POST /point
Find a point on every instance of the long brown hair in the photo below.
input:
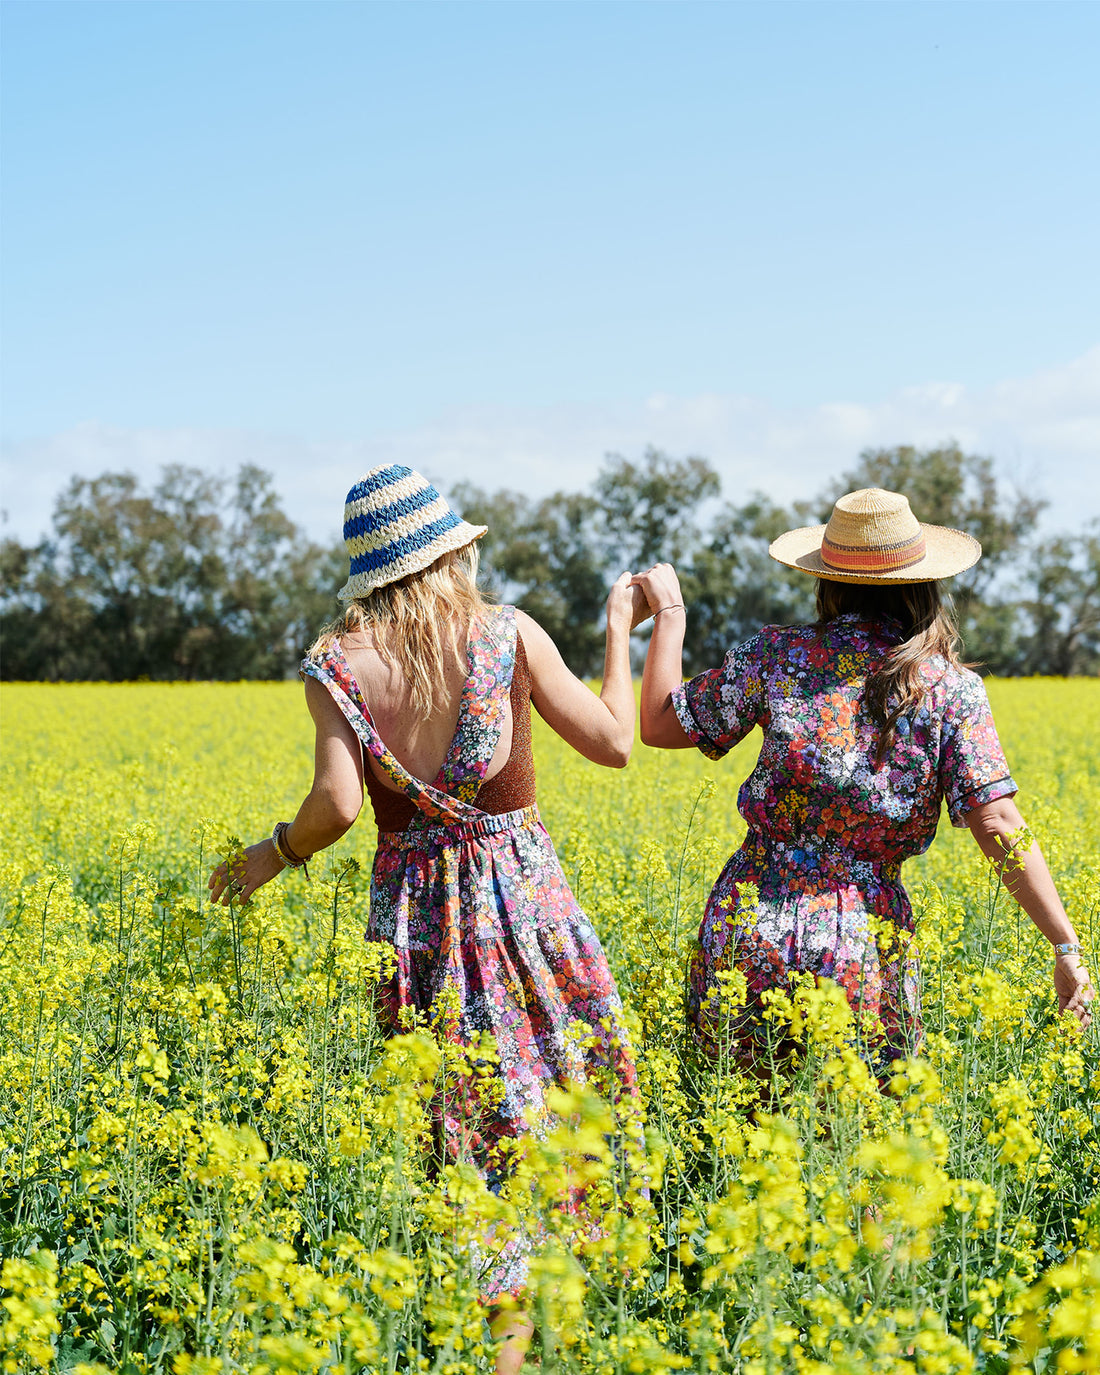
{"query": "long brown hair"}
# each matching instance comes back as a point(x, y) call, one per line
point(897, 686)
point(418, 623)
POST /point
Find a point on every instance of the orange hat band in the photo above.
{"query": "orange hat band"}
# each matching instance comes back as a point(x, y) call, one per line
point(887, 558)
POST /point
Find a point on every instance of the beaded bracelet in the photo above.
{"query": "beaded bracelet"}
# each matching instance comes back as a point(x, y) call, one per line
point(283, 850)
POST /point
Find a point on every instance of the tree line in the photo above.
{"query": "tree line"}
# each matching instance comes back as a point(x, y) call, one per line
point(208, 577)
point(200, 577)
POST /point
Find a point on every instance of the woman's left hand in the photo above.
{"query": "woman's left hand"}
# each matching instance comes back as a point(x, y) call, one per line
point(1073, 987)
point(260, 864)
point(626, 602)
point(661, 587)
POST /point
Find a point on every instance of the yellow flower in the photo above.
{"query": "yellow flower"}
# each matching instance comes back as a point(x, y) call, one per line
point(30, 1318)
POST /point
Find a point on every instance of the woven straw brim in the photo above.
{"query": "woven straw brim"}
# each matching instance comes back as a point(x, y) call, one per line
point(363, 584)
point(947, 552)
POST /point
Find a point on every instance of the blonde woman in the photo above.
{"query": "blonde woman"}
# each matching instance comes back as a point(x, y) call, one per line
point(869, 723)
point(421, 693)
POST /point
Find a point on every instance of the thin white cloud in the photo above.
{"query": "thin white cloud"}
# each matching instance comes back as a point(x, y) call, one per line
point(1043, 429)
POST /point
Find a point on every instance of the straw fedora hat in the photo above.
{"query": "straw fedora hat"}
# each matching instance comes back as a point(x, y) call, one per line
point(873, 536)
point(396, 523)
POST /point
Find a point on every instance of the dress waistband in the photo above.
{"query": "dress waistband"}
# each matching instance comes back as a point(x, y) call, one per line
point(456, 832)
point(831, 864)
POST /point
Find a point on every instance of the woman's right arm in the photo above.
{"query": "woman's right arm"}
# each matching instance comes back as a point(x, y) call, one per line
point(997, 827)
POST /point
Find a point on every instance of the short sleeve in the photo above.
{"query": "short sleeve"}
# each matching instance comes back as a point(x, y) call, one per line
point(973, 768)
point(719, 707)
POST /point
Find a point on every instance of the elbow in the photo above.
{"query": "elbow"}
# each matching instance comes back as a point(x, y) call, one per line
point(660, 726)
point(338, 812)
point(345, 819)
point(345, 812)
point(653, 733)
point(612, 751)
point(620, 755)
point(993, 823)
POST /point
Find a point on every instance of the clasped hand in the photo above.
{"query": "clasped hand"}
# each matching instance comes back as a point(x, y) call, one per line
point(626, 602)
point(660, 586)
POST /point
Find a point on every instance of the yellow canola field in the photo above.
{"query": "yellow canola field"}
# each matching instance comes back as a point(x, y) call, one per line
point(211, 1162)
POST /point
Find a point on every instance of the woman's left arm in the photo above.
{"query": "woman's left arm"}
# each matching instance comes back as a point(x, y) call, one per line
point(997, 827)
point(664, 658)
point(327, 813)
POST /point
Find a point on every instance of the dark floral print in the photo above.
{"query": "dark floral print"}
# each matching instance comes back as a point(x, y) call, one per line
point(827, 829)
point(487, 935)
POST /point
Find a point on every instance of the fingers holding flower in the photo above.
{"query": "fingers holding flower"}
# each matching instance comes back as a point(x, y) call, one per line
point(237, 878)
point(1073, 988)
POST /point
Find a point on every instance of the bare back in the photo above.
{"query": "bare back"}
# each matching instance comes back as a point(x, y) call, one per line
point(419, 744)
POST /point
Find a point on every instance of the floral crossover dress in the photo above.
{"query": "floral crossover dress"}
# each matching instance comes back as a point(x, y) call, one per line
point(827, 829)
point(486, 930)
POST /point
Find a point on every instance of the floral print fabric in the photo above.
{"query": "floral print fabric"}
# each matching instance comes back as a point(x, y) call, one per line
point(487, 934)
point(827, 829)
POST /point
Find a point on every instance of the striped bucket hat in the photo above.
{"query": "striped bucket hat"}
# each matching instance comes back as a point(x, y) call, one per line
point(396, 523)
point(873, 536)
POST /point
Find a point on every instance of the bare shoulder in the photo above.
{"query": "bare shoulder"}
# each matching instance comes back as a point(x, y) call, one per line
point(537, 643)
point(528, 627)
point(319, 701)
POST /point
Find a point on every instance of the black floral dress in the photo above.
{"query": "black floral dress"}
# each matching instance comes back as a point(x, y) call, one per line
point(827, 829)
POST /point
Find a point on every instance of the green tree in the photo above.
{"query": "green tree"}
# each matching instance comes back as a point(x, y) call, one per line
point(545, 556)
point(186, 581)
point(650, 510)
point(279, 586)
point(1061, 616)
point(948, 487)
point(733, 586)
point(203, 577)
point(556, 557)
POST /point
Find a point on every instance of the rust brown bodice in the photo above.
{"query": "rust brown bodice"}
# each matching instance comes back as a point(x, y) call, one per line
point(509, 790)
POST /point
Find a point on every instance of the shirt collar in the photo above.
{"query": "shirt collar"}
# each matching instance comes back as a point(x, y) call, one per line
point(888, 627)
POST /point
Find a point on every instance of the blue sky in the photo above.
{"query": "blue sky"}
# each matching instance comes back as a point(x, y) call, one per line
point(499, 240)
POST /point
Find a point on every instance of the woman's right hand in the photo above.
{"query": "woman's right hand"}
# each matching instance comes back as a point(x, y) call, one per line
point(661, 587)
point(1073, 987)
point(1004, 839)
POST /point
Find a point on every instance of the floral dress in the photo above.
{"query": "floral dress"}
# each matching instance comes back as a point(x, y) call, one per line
point(827, 829)
point(487, 934)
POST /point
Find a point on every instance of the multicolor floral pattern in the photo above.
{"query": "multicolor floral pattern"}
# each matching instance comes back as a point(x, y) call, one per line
point(487, 934)
point(827, 829)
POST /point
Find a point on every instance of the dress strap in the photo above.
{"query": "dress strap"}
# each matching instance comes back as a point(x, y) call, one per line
point(334, 672)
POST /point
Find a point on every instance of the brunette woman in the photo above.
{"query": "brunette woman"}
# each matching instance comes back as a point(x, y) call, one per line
point(869, 723)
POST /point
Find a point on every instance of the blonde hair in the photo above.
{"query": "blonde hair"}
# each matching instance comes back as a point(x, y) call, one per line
point(898, 685)
point(417, 623)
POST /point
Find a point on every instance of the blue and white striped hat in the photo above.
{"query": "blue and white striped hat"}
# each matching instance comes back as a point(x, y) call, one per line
point(396, 523)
